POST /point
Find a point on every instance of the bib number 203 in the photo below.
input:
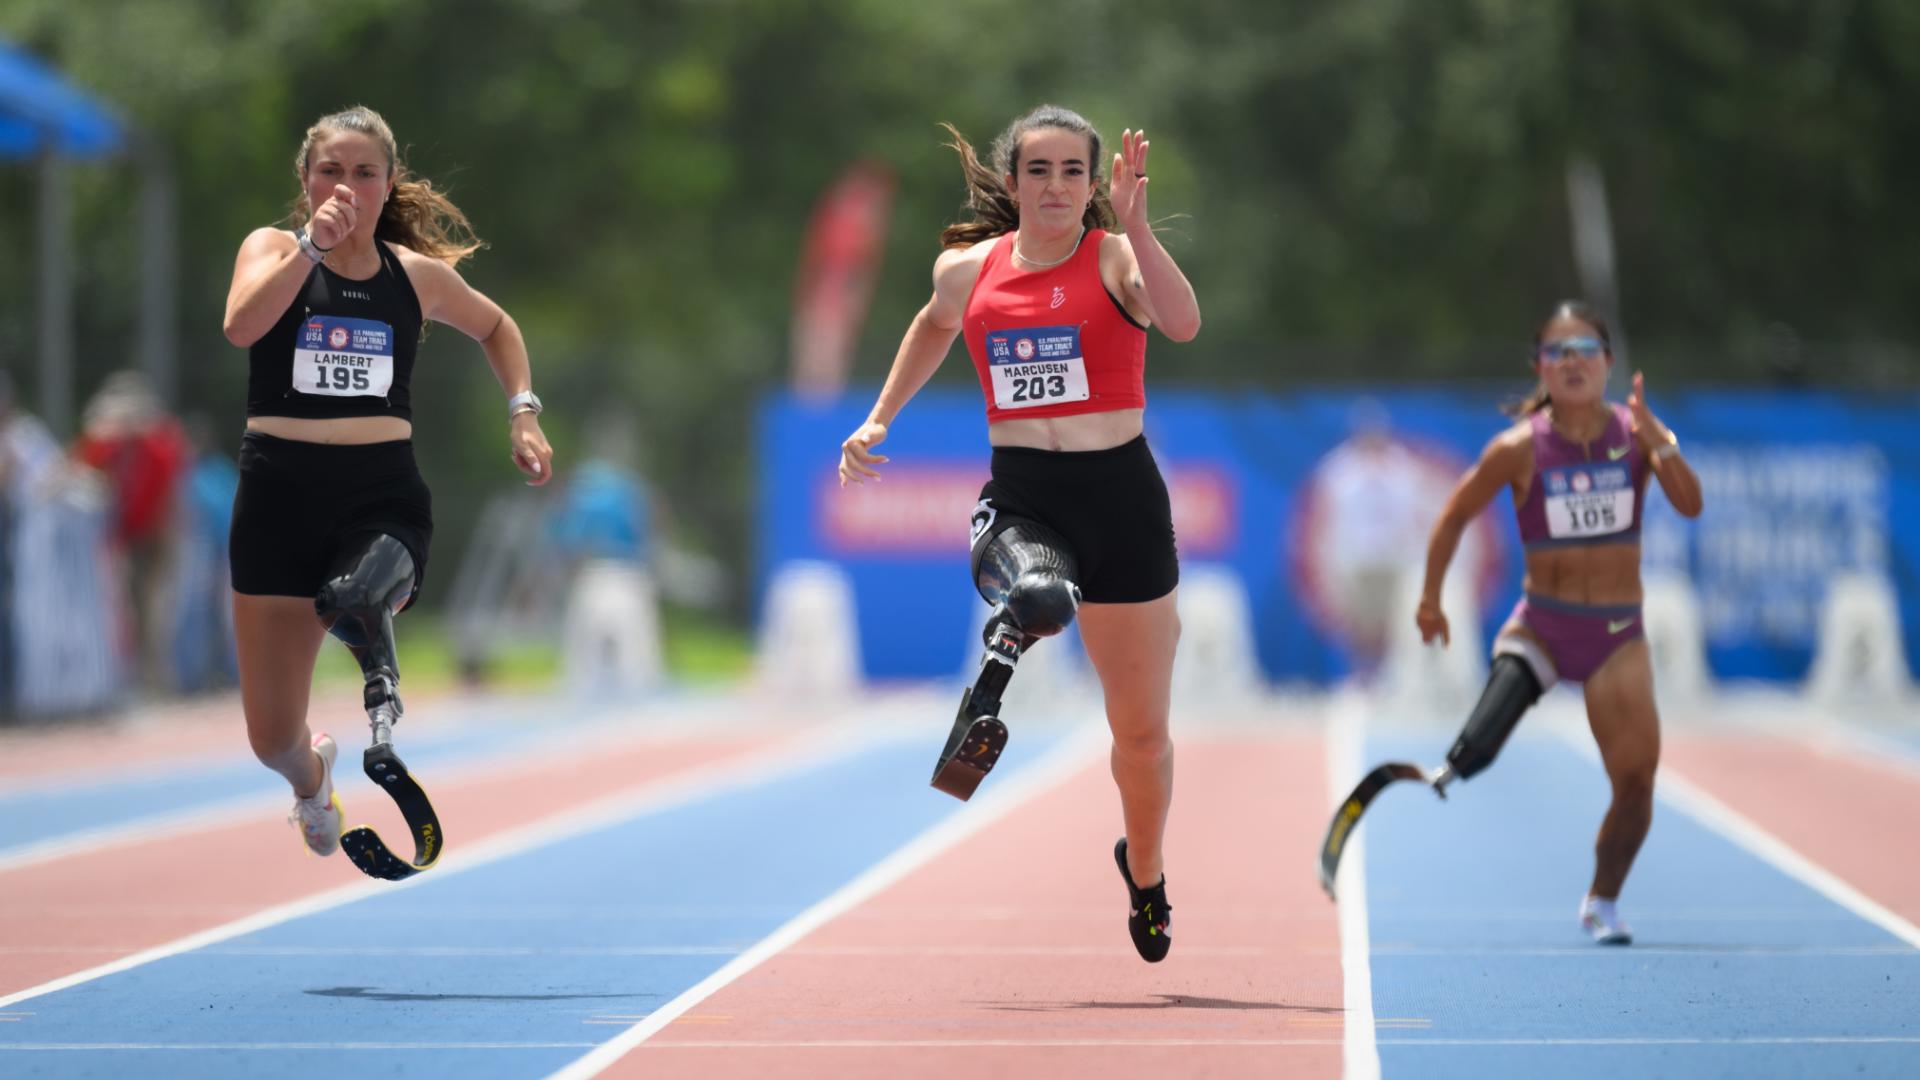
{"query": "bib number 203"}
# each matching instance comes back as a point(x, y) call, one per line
point(337, 378)
point(1039, 388)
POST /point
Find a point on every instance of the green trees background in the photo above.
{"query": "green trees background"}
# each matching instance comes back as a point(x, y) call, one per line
point(1359, 190)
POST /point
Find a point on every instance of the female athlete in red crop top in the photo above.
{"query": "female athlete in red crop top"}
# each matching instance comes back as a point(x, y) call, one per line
point(1053, 285)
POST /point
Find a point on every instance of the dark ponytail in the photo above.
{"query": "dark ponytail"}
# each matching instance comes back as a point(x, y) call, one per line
point(991, 205)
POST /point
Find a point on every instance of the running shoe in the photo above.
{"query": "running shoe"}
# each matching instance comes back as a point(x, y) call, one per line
point(1599, 919)
point(318, 818)
point(1148, 912)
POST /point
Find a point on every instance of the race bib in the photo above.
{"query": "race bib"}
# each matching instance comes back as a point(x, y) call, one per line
point(1039, 365)
point(342, 357)
point(1588, 500)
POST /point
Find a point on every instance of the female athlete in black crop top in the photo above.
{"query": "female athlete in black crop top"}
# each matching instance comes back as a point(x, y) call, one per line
point(332, 518)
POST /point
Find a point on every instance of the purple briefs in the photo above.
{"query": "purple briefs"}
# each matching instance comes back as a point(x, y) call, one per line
point(1578, 637)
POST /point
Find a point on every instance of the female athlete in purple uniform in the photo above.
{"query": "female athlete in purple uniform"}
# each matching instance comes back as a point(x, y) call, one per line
point(1578, 467)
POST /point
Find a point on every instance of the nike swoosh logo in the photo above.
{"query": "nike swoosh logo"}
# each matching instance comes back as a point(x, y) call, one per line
point(1616, 627)
point(1615, 453)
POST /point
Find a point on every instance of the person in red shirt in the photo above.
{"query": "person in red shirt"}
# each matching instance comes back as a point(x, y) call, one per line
point(1053, 284)
point(142, 451)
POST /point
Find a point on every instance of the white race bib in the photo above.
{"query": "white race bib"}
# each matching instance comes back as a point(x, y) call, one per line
point(1588, 500)
point(1039, 365)
point(342, 357)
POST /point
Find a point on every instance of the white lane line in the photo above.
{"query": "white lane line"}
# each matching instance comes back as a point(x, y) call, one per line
point(1693, 800)
point(516, 755)
point(1073, 754)
point(141, 830)
point(1716, 815)
point(796, 755)
point(1346, 745)
point(968, 1044)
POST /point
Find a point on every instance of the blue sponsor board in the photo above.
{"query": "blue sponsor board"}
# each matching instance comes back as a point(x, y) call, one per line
point(1301, 493)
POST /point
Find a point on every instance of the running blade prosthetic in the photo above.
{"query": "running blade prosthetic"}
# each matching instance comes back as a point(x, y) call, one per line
point(973, 746)
point(390, 775)
point(1348, 815)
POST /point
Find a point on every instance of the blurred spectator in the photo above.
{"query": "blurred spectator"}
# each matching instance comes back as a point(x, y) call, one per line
point(142, 451)
point(602, 510)
point(56, 611)
point(1377, 499)
point(27, 453)
point(199, 614)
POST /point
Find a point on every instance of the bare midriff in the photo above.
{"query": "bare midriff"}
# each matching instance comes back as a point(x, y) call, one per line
point(337, 431)
point(1599, 574)
point(1081, 432)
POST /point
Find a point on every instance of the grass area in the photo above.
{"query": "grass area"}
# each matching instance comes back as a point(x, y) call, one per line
point(698, 649)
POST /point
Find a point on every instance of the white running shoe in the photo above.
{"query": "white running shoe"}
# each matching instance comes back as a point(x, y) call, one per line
point(319, 818)
point(1599, 919)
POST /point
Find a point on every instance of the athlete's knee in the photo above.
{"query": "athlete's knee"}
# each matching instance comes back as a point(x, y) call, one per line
point(1633, 783)
point(1142, 744)
point(1511, 690)
point(1028, 570)
point(276, 750)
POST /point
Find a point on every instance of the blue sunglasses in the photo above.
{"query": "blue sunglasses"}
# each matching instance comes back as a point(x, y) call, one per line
point(1586, 348)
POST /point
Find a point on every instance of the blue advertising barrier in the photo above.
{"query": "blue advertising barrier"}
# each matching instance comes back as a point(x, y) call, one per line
point(1292, 493)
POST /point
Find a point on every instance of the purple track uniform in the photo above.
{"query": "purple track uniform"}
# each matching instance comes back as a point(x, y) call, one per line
point(1581, 495)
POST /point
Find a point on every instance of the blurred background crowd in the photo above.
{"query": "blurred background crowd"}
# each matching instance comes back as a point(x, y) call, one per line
point(713, 220)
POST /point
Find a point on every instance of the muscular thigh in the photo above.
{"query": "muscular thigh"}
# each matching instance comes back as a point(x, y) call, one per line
point(277, 639)
point(1621, 710)
point(1131, 647)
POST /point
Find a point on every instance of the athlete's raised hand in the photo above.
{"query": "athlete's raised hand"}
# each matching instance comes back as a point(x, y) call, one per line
point(1647, 428)
point(334, 219)
point(1128, 188)
point(857, 459)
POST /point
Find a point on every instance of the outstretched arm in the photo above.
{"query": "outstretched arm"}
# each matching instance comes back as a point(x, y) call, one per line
point(925, 345)
point(445, 297)
point(1508, 457)
point(1154, 281)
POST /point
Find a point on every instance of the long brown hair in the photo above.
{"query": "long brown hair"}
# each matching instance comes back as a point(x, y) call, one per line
point(990, 201)
point(415, 215)
point(1566, 309)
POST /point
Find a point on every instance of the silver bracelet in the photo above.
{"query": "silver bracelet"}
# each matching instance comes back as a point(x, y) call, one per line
point(524, 401)
point(307, 247)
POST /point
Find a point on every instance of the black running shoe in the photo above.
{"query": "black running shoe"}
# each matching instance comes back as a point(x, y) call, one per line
point(1148, 913)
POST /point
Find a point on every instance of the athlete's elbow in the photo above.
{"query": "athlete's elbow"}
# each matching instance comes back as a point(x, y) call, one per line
point(1183, 330)
point(238, 333)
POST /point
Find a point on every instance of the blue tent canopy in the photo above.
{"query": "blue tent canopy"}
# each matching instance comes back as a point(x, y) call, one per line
point(37, 106)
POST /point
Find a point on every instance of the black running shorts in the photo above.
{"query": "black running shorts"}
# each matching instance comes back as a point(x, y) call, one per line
point(303, 509)
point(1110, 505)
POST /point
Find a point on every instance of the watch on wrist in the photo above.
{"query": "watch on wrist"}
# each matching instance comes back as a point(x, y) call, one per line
point(524, 401)
point(1667, 449)
point(308, 247)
